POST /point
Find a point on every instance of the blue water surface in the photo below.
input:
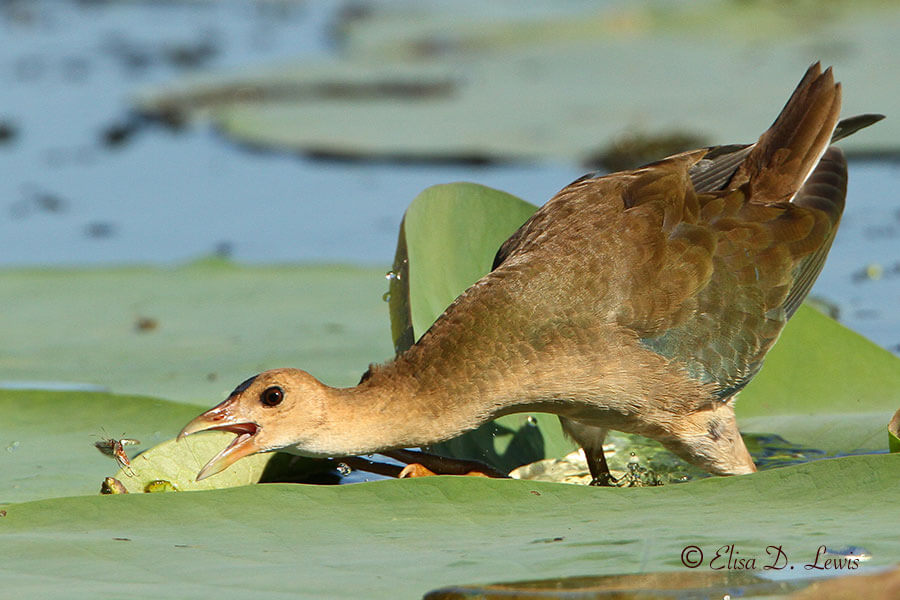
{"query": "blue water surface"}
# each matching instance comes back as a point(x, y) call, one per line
point(71, 196)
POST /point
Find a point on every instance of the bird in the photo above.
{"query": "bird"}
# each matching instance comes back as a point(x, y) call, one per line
point(641, 301)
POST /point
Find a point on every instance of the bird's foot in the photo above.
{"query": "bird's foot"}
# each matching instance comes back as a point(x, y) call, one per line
point(415, 470)
point(419, 470)
point(604, 480)
point(422, 464)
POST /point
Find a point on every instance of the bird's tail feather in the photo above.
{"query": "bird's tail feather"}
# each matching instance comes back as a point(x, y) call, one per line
point(786, 154)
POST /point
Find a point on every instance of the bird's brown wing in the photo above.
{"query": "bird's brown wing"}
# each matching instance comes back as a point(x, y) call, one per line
point(762, 260)
point(704, 276)
point(706, 280)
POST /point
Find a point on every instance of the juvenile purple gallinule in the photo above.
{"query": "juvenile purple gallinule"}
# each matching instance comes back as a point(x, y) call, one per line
point(641, 301)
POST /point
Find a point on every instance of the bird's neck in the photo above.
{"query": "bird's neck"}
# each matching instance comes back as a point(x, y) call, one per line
point(433, 392)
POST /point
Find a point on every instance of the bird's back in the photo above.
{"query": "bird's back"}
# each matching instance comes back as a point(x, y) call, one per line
point(703, 259)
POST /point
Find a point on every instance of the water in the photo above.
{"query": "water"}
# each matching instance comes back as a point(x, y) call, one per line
point(81, 185)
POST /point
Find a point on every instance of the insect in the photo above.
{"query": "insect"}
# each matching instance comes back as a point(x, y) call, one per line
point(116, 448)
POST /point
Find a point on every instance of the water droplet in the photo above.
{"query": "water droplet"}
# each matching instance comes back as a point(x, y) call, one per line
point(634, 465)
point(386, 297)
point(12, 447)
point(344, 469)
point(532, 421)
point(392, 276)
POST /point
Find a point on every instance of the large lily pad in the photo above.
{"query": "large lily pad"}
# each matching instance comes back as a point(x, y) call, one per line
point(823, 386)
point(443, 81)
point(47, 444)
point(190, 333)
point(399, 539)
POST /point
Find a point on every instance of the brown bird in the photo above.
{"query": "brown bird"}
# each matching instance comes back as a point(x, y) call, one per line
point(641, 301)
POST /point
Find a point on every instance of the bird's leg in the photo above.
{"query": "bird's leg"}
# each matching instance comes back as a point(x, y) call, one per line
point(590, 438)
point(600, 474)
point(420, 464)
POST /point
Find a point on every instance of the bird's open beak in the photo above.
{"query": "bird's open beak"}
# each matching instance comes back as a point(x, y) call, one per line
point(221, 418)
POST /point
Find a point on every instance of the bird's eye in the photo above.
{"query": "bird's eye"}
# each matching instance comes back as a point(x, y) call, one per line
point(272, 396)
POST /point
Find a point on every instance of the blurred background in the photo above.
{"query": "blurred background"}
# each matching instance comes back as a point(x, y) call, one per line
point(277, 131)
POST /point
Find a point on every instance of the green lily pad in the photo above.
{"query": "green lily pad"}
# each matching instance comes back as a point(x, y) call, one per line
point(372, 540)
point(452, 233)
point(47, 444)
point(894, 433)
point(190, 333)
point(173, 466)
point(456, 83)
point(822, 386)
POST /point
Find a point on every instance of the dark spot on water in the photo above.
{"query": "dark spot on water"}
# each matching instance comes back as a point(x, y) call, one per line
point(118, 134)
point(130, 56)
point(223, 249)
point(121, 539)
point(99, 230)
point(548, 540)
point(48, 202)
point(211, 376)
point(8, 131)
point(192, 55)
point(35, 200)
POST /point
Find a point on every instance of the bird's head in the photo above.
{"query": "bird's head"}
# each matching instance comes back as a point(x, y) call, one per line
point(272, 410)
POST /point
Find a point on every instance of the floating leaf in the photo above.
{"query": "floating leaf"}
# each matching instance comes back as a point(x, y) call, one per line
point(217, 324)
point(451, 233)
point(173, 466)
point(451, 84)
point(894, 433)
point(48, 440)
point(372, 540)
